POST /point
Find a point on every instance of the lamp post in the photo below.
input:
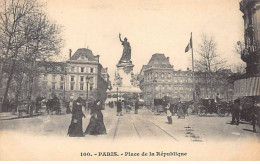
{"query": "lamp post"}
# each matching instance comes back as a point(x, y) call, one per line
point(117, 94)
point(87, 81)
point(64, 83)
point(154, 81)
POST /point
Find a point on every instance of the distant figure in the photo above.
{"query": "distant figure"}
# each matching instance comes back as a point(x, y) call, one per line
point(96, 125)
point(75, 128)
point(235, 112)
point(13, 106)
point(254, 115)
point(181, 113)
point(136, 106)
point(217, 100)
point(55, 105)
point(38, 104)
point(169, 113)
point(69, 106)
point(119, 108)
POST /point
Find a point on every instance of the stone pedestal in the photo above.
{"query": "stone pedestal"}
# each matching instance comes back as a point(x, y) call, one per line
point(124, 70)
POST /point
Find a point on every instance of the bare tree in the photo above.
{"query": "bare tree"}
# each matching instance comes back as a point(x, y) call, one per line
point(208, 62)
point(43, 41)
point(238, 49)
point(12, 13)
point(27, 36)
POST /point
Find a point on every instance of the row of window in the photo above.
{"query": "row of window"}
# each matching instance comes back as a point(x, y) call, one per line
point(72, 78)
point(72, 87)
point(161, 95)
point(164, 75)
point(82, 69)
point(168, 88)
point(174, 79)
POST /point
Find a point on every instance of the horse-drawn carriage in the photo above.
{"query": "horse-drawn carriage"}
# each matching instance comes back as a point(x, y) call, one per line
point(176, 107)
point(209, 106)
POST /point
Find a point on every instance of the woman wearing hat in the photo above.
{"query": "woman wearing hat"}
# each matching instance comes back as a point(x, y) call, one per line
point(96, 125)
point(75, 128)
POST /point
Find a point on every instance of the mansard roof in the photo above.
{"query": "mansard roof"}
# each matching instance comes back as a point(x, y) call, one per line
point(160, 61)
point(86, 52)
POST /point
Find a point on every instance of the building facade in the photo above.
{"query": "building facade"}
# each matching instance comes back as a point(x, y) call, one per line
point(82, 75)
point(158, 79)
point(247, 85)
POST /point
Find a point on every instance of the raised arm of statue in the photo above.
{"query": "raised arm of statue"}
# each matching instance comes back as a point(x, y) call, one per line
point(120, 38)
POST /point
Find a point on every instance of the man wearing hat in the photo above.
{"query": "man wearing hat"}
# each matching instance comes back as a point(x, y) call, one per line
point(235, 112)
point(119, 108)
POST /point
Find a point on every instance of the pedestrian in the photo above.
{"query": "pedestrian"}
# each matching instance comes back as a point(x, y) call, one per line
point(69, 106)
point(13, 106)
point(96, 125)
point(136, 106)
point(235, 112)
point(119, 108)
point(75, 128)
point(254, 115)
point(181, 113)
point(56, 104)
point(30, 107)
point(168, 112)
point(38, 104)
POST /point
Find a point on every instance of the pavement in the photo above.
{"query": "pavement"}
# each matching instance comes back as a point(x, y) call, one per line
point(9, 116)
point(144, 125)
point(44, 137)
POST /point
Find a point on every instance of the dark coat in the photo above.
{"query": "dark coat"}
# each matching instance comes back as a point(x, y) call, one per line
point(119, 106)
point(96, 124)
point(75, 128)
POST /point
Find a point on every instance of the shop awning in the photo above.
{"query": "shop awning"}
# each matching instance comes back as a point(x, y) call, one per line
point(247, 87)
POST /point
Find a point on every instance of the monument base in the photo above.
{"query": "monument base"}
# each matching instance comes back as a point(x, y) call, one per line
point(126, 66)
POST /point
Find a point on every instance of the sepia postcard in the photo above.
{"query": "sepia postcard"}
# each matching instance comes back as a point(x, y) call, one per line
point(132, 80)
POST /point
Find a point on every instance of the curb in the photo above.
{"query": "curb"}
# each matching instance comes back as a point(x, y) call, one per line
point(13, 118)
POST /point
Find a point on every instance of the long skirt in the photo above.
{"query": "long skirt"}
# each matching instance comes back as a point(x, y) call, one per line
point(96, 126)
point(75, 128)
point(181, 113)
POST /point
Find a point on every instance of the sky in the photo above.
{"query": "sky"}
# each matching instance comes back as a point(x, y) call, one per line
point(151, 26)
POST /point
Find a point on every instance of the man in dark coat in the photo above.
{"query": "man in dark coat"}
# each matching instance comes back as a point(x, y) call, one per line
point(119, 108)
point(254, 113)
point(235, 112)
point(136, 106)
point(181, 113)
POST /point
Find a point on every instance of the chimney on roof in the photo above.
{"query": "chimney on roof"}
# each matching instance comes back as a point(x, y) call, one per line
point(167, 58)
point(98, 58)
point(70, 51)
point(188, 68)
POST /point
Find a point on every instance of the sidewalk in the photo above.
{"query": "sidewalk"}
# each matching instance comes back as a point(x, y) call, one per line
point(9, 116)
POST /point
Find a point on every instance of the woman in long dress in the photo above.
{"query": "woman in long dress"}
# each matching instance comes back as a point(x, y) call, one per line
point(96, 125)
point(75, 128)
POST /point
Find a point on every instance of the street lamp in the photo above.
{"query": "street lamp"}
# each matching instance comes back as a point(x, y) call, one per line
point(64, 83)
point(117, 94)
point(87, 81)
point(154, 81)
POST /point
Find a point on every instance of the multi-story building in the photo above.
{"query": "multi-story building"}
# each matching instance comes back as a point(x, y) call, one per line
point(82, 75)
point(158, 79)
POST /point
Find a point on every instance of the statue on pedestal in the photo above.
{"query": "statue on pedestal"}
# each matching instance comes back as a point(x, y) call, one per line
point(126, 56)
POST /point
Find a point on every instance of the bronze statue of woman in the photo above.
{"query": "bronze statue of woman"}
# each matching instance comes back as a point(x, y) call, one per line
point(126, 56)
